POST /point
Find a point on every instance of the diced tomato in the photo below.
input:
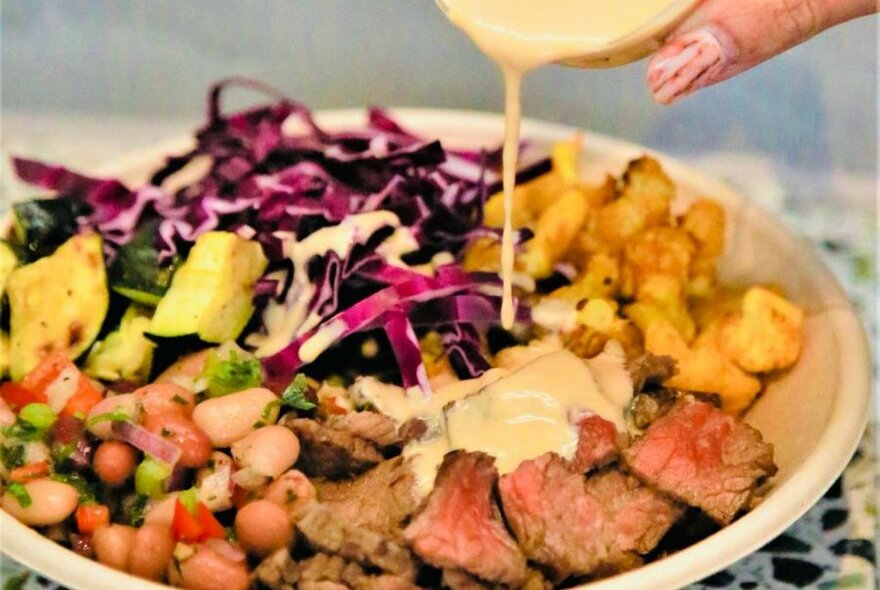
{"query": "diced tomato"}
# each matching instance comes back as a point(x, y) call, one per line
point(41, 379)
point(41, 376)
point(18, 396)
point(211, 527)
point(83, 400)
point(92, 516)
point(185, 527)
point(332, 406)
point(195, 528)
point(30, 471)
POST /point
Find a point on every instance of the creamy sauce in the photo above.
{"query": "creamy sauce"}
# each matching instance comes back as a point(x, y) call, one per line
point(520, 35)
point(512, 416)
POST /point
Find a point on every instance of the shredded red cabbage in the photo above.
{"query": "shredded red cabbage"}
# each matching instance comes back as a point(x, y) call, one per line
point(274, 173)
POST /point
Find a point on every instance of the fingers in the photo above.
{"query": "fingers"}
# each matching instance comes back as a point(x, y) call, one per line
point(723, 38)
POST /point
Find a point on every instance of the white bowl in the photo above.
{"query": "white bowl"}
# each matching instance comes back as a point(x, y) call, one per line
point(814, 415)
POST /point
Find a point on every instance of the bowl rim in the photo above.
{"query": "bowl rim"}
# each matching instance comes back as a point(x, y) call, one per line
point(789, 501)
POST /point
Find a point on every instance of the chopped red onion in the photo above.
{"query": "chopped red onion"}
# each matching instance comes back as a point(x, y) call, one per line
point(144, 440)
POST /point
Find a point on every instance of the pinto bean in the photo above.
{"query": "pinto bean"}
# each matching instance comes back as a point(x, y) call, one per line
point(208, 570)
point(263, 526)
point(113, 545)
point(231, 417)
point(126, 403)
point(154, 547)
point(114, 462)
point(51, 502)
point(184, 434)
point(166, 398)
point(268, 451)
point(292, 491)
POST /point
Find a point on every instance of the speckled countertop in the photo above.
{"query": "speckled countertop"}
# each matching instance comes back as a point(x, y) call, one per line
point(834, 544)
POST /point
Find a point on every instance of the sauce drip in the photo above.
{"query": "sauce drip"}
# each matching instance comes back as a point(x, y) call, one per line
point(521, 35)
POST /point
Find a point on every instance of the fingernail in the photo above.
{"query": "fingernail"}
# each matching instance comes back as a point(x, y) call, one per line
point(685, 64)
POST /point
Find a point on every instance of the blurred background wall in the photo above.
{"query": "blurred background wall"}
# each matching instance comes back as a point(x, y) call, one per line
point(813, 109)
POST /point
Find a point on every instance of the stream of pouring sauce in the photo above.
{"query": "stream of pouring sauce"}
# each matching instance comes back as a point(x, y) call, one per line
point(521, 35)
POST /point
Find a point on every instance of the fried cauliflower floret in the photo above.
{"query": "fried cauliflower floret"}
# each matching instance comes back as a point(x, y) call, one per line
point(555, 231)
point(600, 279)
point(483, 255)
point(674, 311)
point(656, 263)
point(702, 369)
point(643, 202)
point(705, 222)
point(597, 322)
point(766, 335)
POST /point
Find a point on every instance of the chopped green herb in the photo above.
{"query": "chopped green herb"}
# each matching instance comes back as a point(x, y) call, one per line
point(235, 373)
point(114, 416)
point(294, 396)
point(62, 453)
point(179, 400)
point(23, 431)
point(134, 509)
point(165, 432)
point(258, 424)
point(230, 534)
point(20, 493)
point(83, 487)
point(12, 456)
point(40, 415)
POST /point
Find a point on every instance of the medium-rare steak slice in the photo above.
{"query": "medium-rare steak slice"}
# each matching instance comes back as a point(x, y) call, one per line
point(377, 428)
point(555, 520)
point(459, 526)
point(327, 532)
point(325, 452)
point(640, 516)
point(704, 457)
point(599, 443)
point(380, 499)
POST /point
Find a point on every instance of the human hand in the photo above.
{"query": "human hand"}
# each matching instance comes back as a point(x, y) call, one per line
point(723, 38)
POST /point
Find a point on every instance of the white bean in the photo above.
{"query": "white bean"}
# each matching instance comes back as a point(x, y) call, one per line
point(51, 502)
point(126, 403)
point(232, 417)
point(268, 451)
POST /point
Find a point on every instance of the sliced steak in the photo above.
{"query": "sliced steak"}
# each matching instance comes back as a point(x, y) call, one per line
point(555, 520)
point(639, 515)
point(334, 454)
point(599, 443)
point(704, 457)
point(377, 428)
point(459, 526)
point(380, 499)
point(648, 407)
point(650, 371)
point(328, 532)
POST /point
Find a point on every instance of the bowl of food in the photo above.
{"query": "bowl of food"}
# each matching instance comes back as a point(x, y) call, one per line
point(271, 357)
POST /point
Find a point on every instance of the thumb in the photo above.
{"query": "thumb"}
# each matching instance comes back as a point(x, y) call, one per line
point(725, 37)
